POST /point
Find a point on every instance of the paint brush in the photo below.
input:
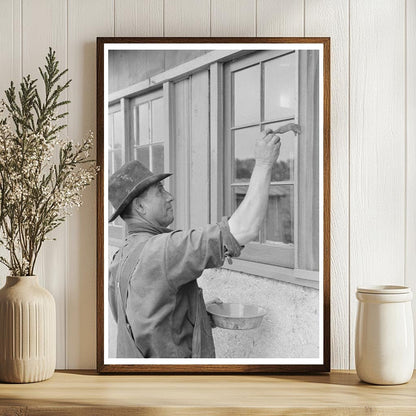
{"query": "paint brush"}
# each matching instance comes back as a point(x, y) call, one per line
point(284, 129)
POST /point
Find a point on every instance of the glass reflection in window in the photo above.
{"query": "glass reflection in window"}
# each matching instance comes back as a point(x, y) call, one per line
point(246, 95)
point(279, 218)
point(279, 87)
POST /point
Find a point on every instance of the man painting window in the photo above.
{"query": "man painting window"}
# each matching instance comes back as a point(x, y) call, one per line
point(153, 291)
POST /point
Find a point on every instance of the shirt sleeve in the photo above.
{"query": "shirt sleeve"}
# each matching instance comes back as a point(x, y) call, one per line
point(188, 253)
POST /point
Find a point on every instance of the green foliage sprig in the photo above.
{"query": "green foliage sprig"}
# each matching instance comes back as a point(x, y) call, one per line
point(41, 175)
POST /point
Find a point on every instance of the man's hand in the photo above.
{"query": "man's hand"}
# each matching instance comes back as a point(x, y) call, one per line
point(267, 149)
point(216, 301)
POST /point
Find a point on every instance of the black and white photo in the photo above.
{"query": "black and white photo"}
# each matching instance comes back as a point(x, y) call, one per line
point(214, 188)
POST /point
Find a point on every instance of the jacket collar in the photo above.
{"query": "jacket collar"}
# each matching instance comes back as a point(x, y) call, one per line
point(139, 224)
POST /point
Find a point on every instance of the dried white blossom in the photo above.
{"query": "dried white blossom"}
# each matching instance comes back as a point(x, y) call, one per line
point(42, 177)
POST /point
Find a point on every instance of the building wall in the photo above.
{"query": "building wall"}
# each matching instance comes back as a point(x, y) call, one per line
point(126, 68)
point(290, 328)
point(373, 130)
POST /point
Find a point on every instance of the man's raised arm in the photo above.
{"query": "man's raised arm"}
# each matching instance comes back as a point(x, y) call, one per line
point(246, 221)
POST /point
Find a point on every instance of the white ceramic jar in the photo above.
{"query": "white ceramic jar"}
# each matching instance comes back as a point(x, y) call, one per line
point(384, 337)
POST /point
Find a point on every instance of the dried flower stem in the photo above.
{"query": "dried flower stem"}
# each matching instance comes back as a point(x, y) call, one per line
point(37, 194)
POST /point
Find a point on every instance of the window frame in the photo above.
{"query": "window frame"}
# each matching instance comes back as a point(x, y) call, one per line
point(293, 275)
point(115, 230)
point(278, 254)
point(124, 105)
point(135, 102)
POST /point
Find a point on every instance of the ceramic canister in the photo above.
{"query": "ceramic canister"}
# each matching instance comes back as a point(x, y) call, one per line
point(384, 338)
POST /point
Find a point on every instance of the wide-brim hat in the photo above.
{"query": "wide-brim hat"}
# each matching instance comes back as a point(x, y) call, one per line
point(129, 182)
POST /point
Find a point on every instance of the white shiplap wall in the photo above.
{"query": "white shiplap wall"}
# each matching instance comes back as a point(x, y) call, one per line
point(373, 132)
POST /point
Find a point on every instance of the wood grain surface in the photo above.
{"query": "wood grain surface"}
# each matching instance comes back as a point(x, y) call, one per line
point(138, 17)
point(280, 18)
point(51, 266)
point(81, 393)
point(377, 149)
point(410, 258)
point(233, 18)
point(85, 19)
point(187, 18)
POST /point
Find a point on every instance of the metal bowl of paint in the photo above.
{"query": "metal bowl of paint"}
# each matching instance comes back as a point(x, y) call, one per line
point(236, 315)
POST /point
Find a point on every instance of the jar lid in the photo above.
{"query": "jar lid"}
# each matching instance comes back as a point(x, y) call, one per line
point(384, 289)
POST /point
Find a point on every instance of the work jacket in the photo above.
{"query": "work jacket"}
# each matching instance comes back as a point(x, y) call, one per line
point(153, 293)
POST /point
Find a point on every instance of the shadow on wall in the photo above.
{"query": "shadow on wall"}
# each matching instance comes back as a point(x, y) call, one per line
point(289, 330)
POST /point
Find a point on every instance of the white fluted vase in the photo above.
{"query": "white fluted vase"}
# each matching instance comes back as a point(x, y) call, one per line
point(27, 331)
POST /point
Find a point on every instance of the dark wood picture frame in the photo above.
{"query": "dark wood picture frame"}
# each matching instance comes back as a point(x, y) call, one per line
point(103, 367)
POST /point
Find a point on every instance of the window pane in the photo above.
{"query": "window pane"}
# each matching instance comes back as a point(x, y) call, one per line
point(246, 95)
point(143, 127)
point(118, 161)
point(279, 218)
point(110, 163)
point(283, 169)
point(110, 131)
point(244, 141)
point(239, 192)
point(157, 120)
point(142, 155)
point(158, 162)
point(118, 137)
point(280, 87)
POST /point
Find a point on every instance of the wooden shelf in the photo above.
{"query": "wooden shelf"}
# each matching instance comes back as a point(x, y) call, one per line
point(85, 393)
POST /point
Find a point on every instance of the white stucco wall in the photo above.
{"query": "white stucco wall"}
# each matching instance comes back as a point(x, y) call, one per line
point(289, 330)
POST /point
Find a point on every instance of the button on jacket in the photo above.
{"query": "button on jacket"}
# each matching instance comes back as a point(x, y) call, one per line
point(153, 293)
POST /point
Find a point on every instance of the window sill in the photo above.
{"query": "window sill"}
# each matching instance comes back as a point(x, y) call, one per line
point(294, 276)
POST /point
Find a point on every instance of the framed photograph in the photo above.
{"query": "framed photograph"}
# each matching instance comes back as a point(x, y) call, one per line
point(213, 218)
